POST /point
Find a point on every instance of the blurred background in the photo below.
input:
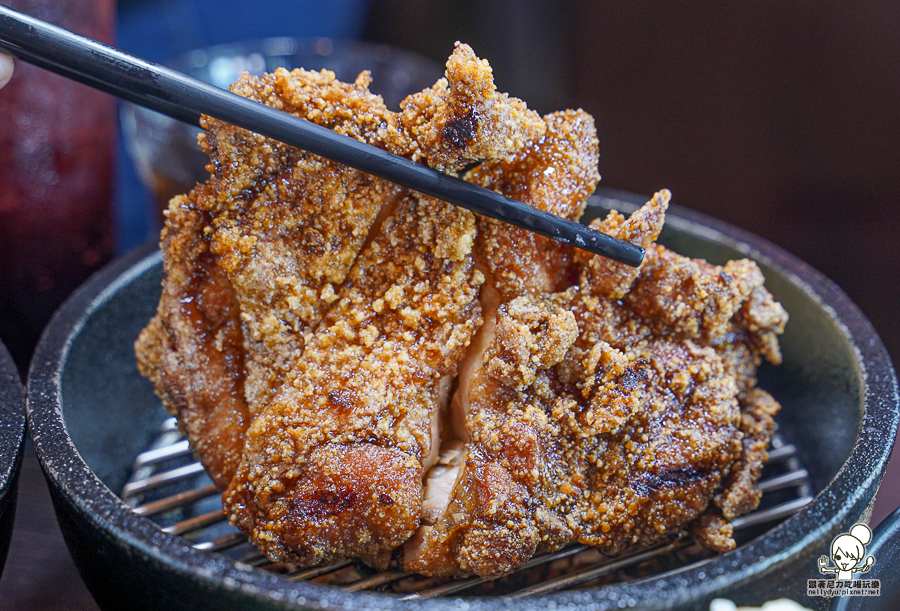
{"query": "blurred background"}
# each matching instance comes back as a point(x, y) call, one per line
point(780, 118)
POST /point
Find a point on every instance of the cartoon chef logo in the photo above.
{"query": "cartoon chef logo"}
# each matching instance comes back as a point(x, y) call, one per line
point(848, 552)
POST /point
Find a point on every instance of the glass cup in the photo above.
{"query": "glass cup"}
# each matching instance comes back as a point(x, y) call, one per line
point(165, 151)
point(56, 162)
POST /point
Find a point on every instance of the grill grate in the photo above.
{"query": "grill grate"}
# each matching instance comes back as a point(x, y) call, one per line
point(168, 486)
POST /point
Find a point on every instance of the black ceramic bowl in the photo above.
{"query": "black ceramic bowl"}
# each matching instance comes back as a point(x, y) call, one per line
point(92, 413)
point(12, 443)
point(885, 548)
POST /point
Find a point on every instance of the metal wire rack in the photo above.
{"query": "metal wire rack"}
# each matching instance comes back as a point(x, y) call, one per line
point(171, 488)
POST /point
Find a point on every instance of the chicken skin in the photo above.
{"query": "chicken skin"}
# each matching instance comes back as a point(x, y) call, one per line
point(365, 398)
point(587, 422)
point(280, 229)
point(367, 372)
point(193, 349)
point(485, 517)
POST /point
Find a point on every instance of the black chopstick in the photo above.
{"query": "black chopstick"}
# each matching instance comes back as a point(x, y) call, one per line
point(184, 98)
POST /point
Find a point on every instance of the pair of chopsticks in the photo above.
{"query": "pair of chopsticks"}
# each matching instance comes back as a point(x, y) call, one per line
point(184, 98)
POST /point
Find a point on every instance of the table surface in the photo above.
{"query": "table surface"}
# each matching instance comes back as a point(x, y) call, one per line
point(40, 574)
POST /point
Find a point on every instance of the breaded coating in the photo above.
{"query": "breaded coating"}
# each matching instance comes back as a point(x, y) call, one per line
point(498, 517)
point(530, 336)
point(621, 434)
point(192, 349)
point(371, 373)
point(714, 532)
point(690, 297)
point(716, 305)
point(650, 477)
point(740, 493)
point(763, 319)
point(287, 225)
point(556, 173)
point(614, 386)
point(283, 227)
point(490, 523)
point(609, 278)
point(369, 381)
point(693, 299)
point(463, 120)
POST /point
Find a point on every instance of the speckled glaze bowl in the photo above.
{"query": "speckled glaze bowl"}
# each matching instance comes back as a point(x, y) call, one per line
point(12, 444)
point(885, 548)
point(91, 413)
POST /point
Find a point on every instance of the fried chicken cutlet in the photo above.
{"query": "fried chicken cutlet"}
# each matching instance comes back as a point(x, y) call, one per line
point(618, 434)
point(482, 517)
point(333, 467)
point(278, 229)
point(363, 369)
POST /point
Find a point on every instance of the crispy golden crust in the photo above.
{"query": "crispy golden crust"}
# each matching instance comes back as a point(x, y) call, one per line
point(741, 494)
point(287, 247)
point(689, 297)
point(763, 320)
point(608, 278)
point(408, 308)
point(329, 312)
point(192, 349)
point(463, 120)
point(370, 375)
point(657, 472)
point(342, 500)
point(490, 525)
point(287, 225)
point(556, 173)
point(529, 337)
point(714, 532)
point(281, 229)
point(620, 434)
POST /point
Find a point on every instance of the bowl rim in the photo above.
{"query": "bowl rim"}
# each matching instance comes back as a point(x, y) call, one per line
point(12, 423)
point(845, 497)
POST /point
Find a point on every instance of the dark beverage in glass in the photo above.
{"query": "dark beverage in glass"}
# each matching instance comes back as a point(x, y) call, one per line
point(56, 168)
